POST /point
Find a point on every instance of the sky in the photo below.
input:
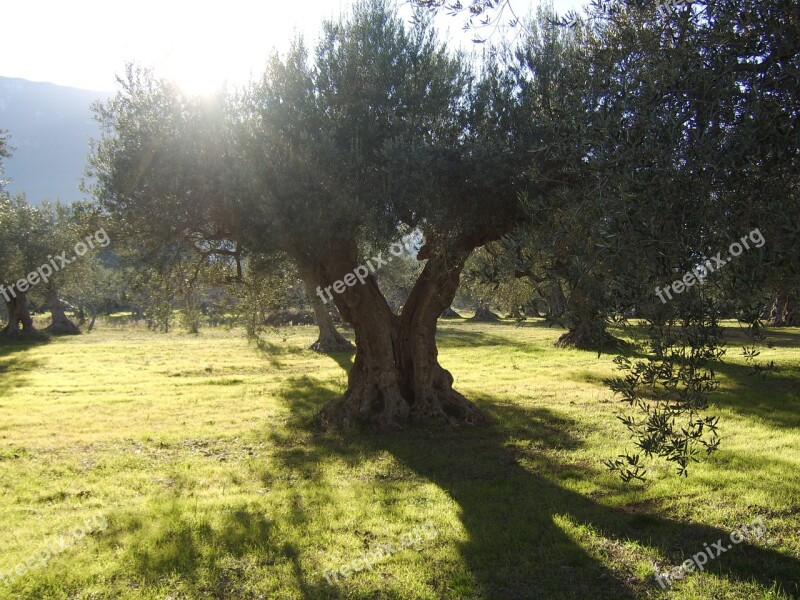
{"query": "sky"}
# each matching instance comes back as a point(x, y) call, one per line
point(200, 45)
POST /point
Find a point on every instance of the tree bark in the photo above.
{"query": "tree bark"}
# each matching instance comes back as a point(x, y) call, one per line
point(20, 323)
point(785, 311)
point(396, 377)
point(61, 324)
point(484, 313)
point(329, 340)
point(93, 314)
point(531, 310)
point(556, 302)
point(587, 335)
point(585, 321)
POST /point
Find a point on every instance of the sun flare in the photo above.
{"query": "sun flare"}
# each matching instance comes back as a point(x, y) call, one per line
point(209, 50)
point(198, 72)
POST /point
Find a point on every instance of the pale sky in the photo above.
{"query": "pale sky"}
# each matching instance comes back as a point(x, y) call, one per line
point(86, 43)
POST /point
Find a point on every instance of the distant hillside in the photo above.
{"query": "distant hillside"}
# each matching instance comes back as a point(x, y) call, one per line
point(50, 127)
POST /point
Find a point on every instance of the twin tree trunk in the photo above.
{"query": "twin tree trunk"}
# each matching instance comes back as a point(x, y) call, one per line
point(396, 377)
point(20, 323)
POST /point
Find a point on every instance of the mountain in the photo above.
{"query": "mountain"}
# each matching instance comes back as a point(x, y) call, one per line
point(50, 126)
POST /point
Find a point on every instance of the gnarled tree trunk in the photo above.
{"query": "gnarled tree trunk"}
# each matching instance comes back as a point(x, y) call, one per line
point(329, 340)
point(531, 309)
point(61, 324)
point(396, 376)
point(484, 313)
point(585, 321)
point(556, 301)
point(20, 323)
point(785, 311)
point(449, 313)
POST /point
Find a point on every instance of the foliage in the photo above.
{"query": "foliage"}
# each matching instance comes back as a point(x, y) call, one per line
point(269, 284)
point(482, 17)
point(26, 238)
point(5, 152)
point(482, 284)
point(691, 146)
point(669, 390)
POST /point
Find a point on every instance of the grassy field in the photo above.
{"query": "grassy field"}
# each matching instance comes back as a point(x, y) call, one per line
point(190, 465)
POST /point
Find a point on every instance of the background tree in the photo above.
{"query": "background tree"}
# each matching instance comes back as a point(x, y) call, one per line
point(690, 135)
point(785, 309)
point(23, 241)
point(62, 232)
point(4, 214)
point(94, 287)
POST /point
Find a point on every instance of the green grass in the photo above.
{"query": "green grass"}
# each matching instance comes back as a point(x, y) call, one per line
point(197, 451)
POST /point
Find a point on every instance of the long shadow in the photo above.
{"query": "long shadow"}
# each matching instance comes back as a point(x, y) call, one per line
point(451, 337)
point(774, 397)
point(269, 350)
point(170, 544)
point(14, 363)
point(343, 359)
point(788, 337)
point(274, 351)
point(507, 510)
point(526, 531)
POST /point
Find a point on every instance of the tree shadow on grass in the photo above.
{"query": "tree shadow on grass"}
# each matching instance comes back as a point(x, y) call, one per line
point(269, 350)
point(509, 509)
point(171, 543)
point(528, 534)
point(167, 547)
point(343, 359)
point(788, 337)
point(774, 398)
point(460, 337)
point(15, 363)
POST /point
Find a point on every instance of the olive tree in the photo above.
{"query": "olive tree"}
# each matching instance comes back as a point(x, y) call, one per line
point(380, 133)
point(24, 249)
